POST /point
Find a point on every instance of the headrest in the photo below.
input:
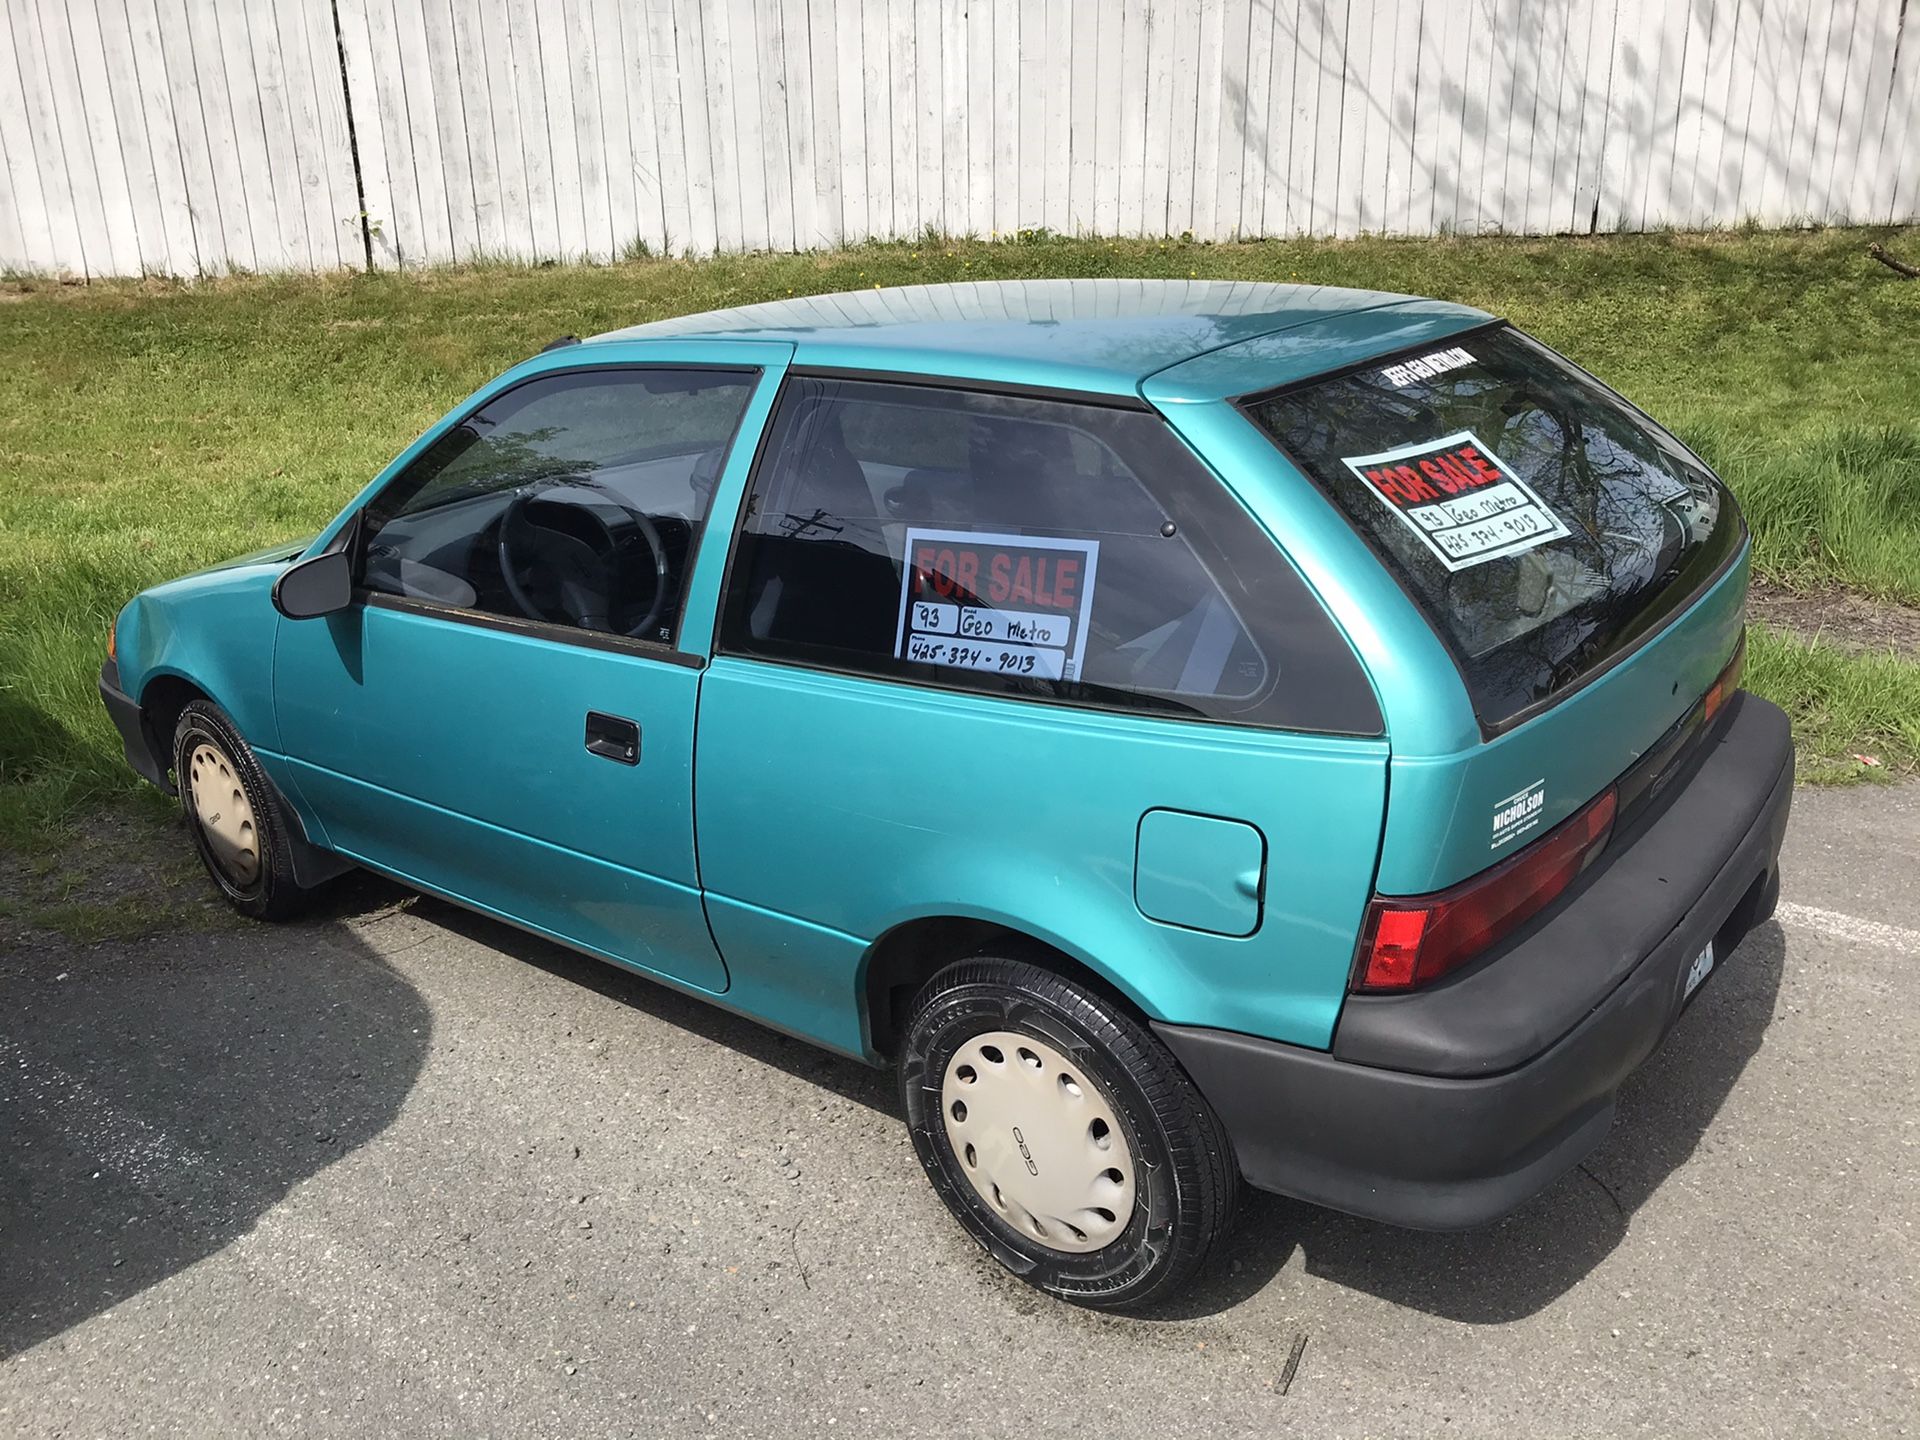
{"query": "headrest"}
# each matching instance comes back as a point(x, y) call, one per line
point(1018, 465)
point(825, 475)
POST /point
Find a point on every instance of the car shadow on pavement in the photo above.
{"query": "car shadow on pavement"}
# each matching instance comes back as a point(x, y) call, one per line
point(847, 1078)
point(1517, 1266)
point(158, 1096)
point(1494, 1275)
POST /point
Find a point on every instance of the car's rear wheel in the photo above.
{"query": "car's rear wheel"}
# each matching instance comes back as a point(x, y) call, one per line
point(1062, 1134)
point(233, 814)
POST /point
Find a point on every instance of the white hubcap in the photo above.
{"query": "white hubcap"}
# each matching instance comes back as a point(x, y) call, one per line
point(1038, 1141)
point(226, 818)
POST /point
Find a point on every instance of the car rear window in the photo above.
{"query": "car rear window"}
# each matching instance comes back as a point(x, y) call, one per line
point(1544, 525)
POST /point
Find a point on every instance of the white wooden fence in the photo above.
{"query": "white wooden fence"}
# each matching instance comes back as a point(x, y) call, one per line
point(198, 136)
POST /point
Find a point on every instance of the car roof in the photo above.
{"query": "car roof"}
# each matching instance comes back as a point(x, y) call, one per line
point(1103, 336)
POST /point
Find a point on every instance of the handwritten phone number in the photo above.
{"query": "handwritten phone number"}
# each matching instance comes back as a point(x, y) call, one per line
point(1503, 530)
point(999, 659)
point(973, 657)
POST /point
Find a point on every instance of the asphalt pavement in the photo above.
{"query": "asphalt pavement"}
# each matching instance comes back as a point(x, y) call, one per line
point(399, 1171)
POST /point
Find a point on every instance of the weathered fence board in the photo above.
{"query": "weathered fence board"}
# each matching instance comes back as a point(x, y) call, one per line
point(201, 136)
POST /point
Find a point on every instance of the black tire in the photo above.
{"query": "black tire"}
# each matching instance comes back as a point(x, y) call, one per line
point(266, 889)
point(1186, 1180)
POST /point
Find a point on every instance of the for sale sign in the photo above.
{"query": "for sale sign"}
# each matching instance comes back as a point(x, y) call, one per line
point(1462, 501)
point(1008, 604)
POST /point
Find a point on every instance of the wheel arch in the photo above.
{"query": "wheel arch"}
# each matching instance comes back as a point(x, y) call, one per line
point(911, 952)
point(167, 693)
point(164, 695)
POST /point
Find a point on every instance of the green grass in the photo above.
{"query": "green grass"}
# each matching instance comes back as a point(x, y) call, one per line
point(149, 428)
point(119, 873)
point(1844, 706)
point(124, 917)
point(1840, 505)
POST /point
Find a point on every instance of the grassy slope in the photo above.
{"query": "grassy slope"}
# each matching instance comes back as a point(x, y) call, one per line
point(147, 429)
point(1844, 706)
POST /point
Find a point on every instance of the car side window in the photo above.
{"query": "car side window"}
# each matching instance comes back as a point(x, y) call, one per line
point(1043, 548)
point(575, 499)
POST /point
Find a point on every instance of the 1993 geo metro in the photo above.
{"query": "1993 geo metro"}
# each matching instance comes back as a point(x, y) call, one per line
point(1193, 732)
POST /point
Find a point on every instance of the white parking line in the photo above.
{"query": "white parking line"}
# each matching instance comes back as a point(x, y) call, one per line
point(1849, 927)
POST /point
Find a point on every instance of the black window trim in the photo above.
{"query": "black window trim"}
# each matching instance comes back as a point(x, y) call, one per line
point(973, 384)
point(1493, 730)
point(820, 665)
point(548, 629)
point(532, 629)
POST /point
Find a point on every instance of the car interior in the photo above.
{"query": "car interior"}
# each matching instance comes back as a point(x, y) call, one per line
point(605, 545)
point(604, 548)
point(829, 552)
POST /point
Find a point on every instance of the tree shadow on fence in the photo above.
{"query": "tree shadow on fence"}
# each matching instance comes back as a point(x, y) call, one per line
point(1522, 116)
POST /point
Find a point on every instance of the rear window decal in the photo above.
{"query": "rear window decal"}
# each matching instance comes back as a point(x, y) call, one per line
point(1010, 604)
point(1425, 367)
point(1466, 506)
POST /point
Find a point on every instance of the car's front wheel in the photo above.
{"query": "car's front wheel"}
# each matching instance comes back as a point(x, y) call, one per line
point(1062, 1134)
point(233, 815)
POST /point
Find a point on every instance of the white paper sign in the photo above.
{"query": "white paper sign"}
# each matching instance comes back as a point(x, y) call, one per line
point(1460, 498)
point(1007, 604)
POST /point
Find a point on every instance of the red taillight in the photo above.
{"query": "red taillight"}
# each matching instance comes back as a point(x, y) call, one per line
point(1725, 684)
point(1407, 942)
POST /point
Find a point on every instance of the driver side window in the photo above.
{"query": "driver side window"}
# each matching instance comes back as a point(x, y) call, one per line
point(575, 499)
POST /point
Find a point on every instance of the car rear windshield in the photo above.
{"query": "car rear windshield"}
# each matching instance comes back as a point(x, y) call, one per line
point(1543, 524)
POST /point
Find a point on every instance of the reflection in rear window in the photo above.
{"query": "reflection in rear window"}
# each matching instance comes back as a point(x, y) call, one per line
point(1543, 524)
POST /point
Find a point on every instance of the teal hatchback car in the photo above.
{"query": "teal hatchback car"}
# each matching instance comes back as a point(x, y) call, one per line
point(1193, 732)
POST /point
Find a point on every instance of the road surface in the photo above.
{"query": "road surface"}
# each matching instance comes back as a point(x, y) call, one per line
point(401, 1171)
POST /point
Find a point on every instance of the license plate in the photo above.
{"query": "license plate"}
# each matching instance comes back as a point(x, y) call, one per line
point(1698, 971)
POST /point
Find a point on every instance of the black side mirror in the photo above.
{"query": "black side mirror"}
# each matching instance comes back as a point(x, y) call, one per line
point(323, 583)
point(318, 585)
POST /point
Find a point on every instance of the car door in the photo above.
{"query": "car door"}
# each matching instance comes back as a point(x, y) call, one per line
point(505, 714)
point(1024, 660)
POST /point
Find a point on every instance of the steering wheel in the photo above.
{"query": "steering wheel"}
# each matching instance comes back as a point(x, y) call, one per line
point(582, 573)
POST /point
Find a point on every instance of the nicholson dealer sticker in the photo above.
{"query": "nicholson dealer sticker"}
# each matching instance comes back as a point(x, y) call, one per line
point(1466, 506)
point(1518, 813)
point(1009, 604)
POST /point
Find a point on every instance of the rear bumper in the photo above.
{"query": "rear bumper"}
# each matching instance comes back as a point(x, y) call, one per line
point(124, 710)
point(1422, 1115)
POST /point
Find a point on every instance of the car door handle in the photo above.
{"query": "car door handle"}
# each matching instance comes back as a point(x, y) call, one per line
point(1247, 882)
point(613, 737)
